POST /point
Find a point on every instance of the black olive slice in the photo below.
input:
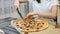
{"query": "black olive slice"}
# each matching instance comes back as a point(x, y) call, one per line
point(27, 29)
point(17, 25)
point(37, 28)
point(42, 23)
point(21, 27)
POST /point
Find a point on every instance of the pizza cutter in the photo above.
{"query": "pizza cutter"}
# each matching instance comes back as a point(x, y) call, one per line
point(20, 15)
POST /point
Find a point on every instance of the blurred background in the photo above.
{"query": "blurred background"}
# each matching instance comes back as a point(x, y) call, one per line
point(7, 9)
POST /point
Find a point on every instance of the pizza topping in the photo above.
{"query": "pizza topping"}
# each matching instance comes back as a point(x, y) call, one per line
point(41, 26)
point(42, 23)
point(38, 24)
point(31, 24)
point(21, 27)
point(27, 26)
point(24, 24)
point(17, 25)
point(37, 28)
point(27, 29)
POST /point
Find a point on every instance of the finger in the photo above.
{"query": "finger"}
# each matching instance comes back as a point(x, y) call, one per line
point(29, 15)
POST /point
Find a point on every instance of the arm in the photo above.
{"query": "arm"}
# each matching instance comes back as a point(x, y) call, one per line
point(23, 1)
point(48, 15)
point(54, 9)
point(51, 15)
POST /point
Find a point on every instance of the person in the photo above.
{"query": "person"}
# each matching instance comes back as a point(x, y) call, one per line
point(42, 8)
point(17, 3)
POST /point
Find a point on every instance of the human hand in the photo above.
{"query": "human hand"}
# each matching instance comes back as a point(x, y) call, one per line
point(16, 4)
point(23, 1)
point(30, 14)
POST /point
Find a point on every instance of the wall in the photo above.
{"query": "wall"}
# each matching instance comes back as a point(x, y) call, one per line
point(7, 9)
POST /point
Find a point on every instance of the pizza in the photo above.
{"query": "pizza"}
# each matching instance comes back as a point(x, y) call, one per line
point(30, 24)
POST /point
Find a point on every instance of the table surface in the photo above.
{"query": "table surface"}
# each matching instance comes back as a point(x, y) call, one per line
point(8, 29)
point(5, 25)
